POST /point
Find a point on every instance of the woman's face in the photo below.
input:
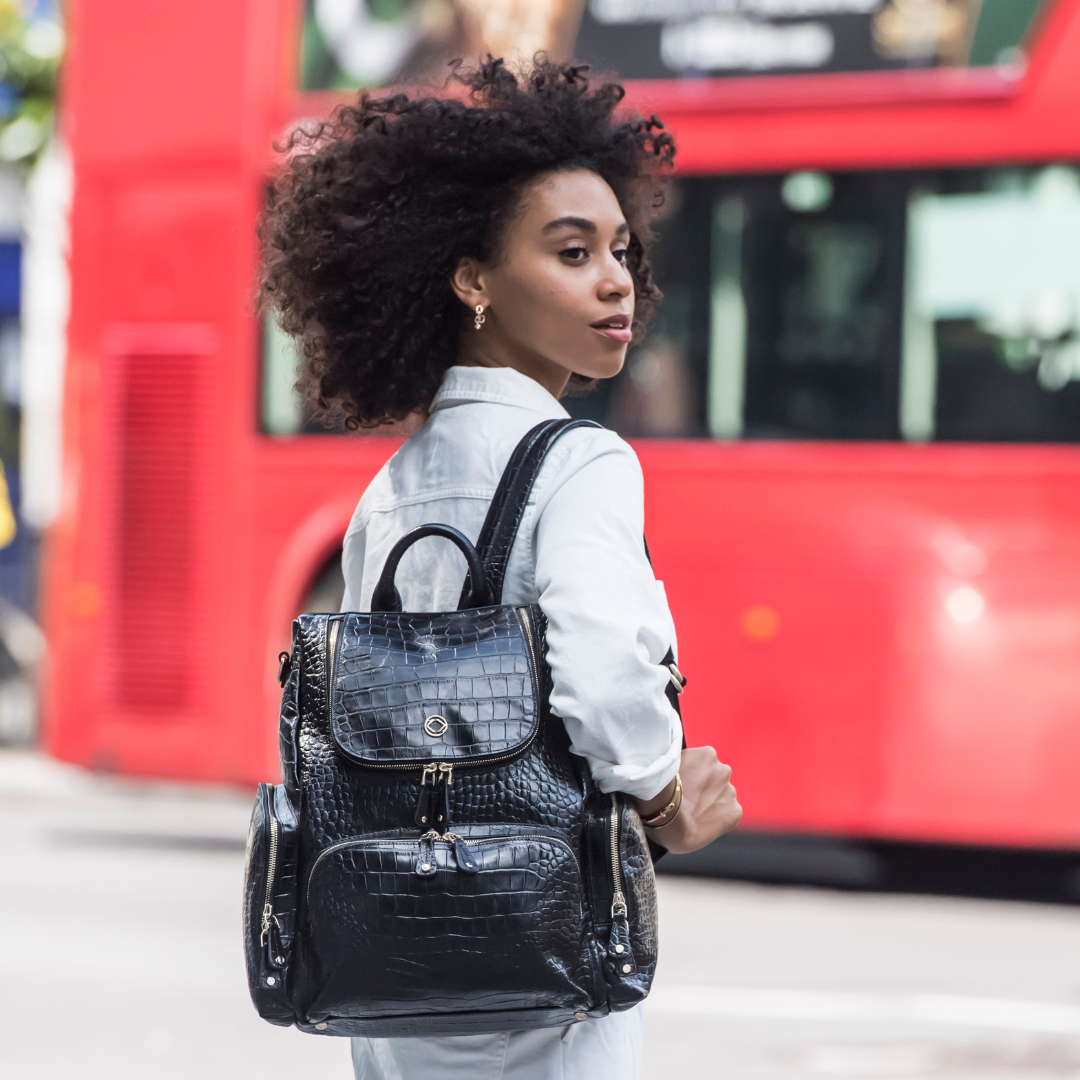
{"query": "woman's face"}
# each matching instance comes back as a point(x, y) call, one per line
point(558, 298)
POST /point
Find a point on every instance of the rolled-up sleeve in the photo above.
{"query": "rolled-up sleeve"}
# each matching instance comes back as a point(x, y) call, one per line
point(608, 620)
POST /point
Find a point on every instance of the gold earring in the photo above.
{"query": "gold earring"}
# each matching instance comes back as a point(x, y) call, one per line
point(479, 320)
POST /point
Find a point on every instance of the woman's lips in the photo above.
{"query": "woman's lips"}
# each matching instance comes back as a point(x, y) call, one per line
point(615, 327)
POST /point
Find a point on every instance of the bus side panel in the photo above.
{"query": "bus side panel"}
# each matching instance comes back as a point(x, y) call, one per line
point(881, 639)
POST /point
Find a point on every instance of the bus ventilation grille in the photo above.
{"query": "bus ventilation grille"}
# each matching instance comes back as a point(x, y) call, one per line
point(159, 485)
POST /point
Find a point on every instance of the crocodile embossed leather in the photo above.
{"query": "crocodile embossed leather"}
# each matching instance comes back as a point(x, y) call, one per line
point(436, 860)
point(391, 672)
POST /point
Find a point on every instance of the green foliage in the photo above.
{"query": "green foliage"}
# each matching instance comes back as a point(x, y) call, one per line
point(31, 47)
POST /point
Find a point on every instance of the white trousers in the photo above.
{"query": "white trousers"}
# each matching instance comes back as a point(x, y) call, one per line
point(605, 1049)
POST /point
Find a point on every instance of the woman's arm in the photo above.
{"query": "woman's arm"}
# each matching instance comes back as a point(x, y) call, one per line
point(709, 806)
point(608, 630)
point(608, 622)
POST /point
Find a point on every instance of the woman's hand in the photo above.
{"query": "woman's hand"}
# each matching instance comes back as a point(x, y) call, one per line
point(709, 805)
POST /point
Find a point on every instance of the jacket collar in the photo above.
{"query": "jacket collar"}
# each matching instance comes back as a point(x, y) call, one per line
point(503, 386)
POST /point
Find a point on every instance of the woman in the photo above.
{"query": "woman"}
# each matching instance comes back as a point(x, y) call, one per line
point(460, 263)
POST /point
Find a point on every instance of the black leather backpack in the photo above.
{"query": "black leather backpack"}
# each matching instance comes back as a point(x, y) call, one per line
point(436, 860)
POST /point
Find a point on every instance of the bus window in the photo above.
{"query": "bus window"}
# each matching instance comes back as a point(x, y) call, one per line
point(821, 271)
point(281, 410)
point(938, 304)
point(782, 312)
point(991, 345)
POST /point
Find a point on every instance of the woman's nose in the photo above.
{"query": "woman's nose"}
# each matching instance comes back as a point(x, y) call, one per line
point(616, 281)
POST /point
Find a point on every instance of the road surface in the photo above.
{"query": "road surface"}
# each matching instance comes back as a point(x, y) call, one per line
point(122, 960)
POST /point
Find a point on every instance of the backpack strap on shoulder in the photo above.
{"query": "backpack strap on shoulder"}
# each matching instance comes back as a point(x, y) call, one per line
point(509, 501)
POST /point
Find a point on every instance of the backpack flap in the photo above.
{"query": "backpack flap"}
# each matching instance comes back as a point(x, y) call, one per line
point(409, 690)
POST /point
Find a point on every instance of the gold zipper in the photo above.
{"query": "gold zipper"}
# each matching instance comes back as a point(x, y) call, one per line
point(618, 900)
point(527, 627)
point(268, 915)
point(335, 627)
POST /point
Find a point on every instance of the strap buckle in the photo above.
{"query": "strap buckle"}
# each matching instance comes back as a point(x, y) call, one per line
point(678, 679)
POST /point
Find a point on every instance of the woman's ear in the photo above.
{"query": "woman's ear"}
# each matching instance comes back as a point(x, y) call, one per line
point(467, 281)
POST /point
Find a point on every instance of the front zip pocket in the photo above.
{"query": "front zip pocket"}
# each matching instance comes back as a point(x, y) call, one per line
point(451, 919)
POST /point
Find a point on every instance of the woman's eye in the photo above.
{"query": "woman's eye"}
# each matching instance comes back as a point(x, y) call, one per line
point(622, 255)
point(577, 253)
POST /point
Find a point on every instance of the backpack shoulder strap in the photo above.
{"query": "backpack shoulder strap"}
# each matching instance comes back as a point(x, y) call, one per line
point(510, 499)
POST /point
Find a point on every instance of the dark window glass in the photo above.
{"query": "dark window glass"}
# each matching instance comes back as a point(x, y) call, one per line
point(997, 277)
point(823, 294)
point(989, 389)
point(938, 304)
point(915, 305)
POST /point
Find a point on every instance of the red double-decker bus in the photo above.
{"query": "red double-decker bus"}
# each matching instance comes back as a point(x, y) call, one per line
point(858, 415)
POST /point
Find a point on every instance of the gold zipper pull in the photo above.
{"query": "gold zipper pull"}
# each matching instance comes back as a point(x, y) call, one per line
point(267, 915)
point(425, 805)
point(618, 905)
point(274, 952)
point(465, 859)
point(442, 797)
point(425, 860)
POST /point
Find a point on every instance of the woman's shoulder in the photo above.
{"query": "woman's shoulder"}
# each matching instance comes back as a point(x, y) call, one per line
point(598, 447)
point(376, 493)
point(449, 456)
point(596, 454)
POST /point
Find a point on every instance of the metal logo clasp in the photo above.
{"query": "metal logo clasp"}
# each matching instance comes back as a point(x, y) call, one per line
point(436, 726)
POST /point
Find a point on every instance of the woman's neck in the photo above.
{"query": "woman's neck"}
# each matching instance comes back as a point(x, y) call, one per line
point(474, 350)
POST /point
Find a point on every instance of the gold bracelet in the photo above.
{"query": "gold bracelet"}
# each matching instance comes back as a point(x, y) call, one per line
point(670, 812)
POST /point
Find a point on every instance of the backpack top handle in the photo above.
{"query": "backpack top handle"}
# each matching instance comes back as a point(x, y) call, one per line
point(387, 598)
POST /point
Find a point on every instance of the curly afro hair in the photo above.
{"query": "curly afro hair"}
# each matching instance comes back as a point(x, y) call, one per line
point(372, 210)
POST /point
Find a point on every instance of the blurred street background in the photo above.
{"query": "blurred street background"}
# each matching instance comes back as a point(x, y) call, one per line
point(858, 417)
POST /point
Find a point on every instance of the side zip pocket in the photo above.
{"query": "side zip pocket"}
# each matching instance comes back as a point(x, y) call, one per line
point(619, 952)
point(623, 900)
point(270, 931)
point(270, 902)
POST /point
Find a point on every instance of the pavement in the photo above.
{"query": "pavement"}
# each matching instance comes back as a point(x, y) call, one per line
point(120, 908)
